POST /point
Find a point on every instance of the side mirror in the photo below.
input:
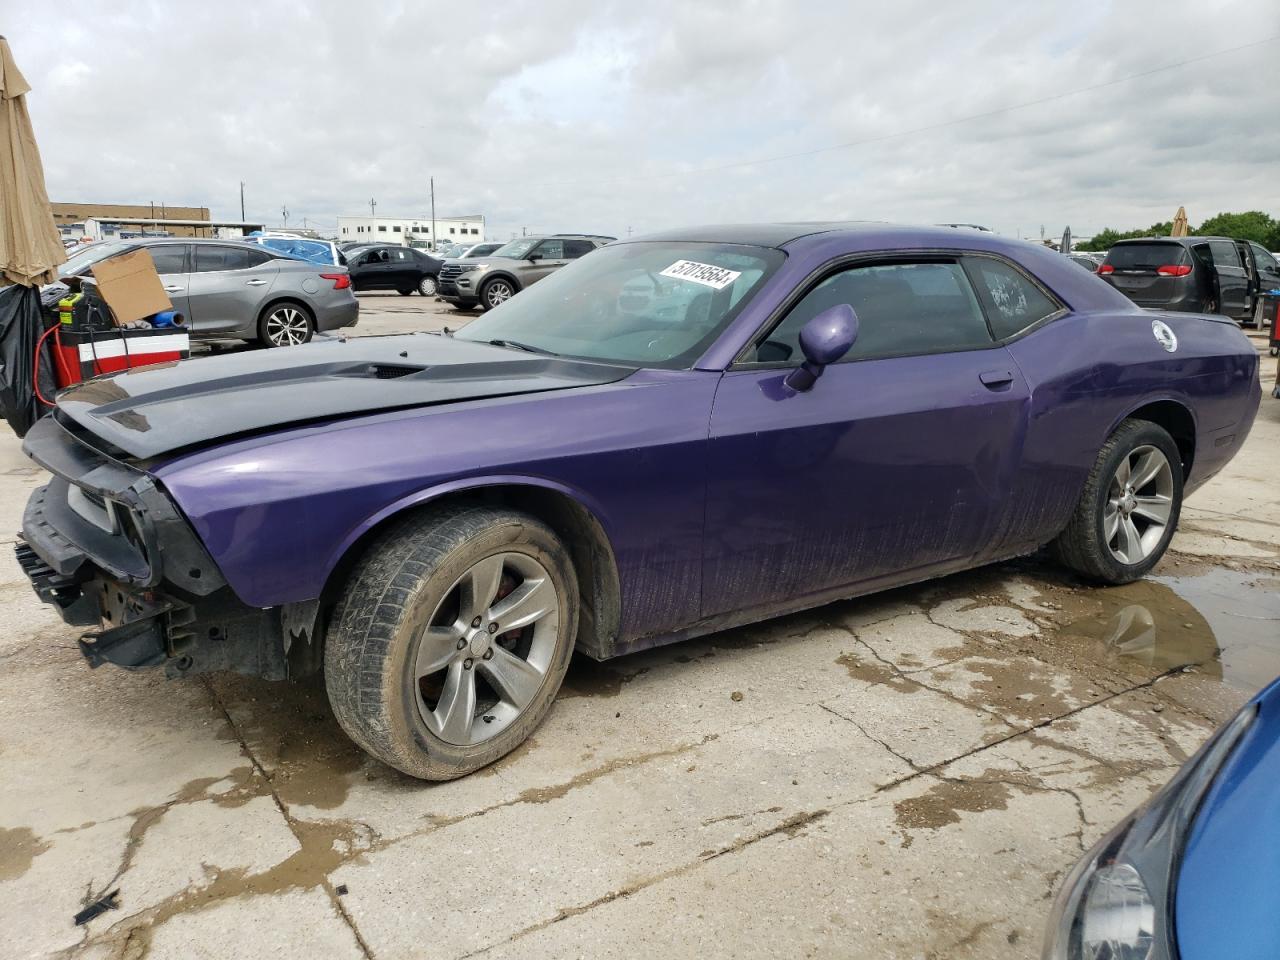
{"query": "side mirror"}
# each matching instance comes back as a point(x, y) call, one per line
point(534, 256)
point(824, 339)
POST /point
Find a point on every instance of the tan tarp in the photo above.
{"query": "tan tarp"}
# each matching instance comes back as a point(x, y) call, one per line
point(30, 247)
point(1180, 223)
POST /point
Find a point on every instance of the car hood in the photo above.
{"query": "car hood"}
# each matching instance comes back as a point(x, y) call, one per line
point(1228, 892)
point(166, 407)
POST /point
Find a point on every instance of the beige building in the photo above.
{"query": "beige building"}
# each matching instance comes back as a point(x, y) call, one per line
point(67, 215)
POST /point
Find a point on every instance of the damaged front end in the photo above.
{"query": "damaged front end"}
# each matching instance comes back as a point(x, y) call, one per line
point(106, 546)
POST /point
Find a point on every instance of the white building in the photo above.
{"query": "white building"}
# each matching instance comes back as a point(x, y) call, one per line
point(411, 231)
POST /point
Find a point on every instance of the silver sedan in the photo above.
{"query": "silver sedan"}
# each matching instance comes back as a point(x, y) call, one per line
point(230, 290)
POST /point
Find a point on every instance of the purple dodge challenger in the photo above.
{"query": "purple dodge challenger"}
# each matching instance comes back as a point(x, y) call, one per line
point(673, 435)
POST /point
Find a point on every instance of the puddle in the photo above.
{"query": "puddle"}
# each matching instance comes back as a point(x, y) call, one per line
point(1223, 621)
point(18, 848)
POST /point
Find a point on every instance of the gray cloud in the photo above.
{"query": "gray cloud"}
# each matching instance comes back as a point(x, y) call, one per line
point(603, 115)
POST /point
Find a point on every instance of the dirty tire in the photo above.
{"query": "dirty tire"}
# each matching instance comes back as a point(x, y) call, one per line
point(389, 597)
point(1082, 545)
point(407, 292)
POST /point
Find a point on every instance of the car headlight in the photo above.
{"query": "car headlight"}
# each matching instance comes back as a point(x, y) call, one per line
point(474, 267)
point(1114, 905)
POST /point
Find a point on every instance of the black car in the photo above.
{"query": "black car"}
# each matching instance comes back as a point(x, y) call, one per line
point(389, 266)
point(1193, 274)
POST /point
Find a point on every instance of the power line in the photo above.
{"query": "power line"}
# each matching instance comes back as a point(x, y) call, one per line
point(913, 130)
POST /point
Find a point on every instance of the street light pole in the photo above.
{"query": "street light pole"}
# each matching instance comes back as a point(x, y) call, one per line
point(242, 201)
point(434, 243)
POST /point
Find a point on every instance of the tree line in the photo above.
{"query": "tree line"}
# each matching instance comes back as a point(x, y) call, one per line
point(1251, 225)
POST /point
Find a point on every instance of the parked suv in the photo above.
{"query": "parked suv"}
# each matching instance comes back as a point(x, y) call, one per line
point(231, 290)
point(489, 281)
point(1193, 274)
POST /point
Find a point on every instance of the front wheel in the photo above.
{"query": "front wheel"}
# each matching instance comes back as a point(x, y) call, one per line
point(286, 325)
point(1129, 507)
point(427, 286)
point(451, 639)
point(495, 293)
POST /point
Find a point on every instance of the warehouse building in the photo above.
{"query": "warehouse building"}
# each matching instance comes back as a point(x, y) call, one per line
point(70, 217)
point(411, 231)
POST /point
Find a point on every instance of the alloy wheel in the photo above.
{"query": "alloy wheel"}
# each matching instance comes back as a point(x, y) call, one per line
point(486, 649)
point(499, 291)
point(287, 327)
point(427, 286)
point(1139, 504)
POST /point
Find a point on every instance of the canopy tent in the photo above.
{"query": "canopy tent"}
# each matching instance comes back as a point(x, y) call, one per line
point(30, 247)
point(30, 251)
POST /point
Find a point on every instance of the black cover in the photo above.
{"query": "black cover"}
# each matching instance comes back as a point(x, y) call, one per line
point(21, 322)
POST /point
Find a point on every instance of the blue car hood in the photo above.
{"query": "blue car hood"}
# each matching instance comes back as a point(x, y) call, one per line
point(1228, 892)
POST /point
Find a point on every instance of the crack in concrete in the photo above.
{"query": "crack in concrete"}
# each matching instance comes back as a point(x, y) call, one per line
point(792, 826)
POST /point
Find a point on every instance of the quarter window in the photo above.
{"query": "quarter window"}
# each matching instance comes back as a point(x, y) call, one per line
point(1224, 253)
point(1012, 301)
point(902, 308)
point(577, 248)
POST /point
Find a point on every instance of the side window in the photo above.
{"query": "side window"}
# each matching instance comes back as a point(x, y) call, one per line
point(1012, 301)
point(209, 258)
point(551, 249)
point(401, 255)
point(170, 258)
point(1264, 259)
point(1224, 253)
point(577, 248)
point(903, 309)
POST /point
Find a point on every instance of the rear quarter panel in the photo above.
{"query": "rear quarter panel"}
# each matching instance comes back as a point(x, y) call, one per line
point(1088, 371)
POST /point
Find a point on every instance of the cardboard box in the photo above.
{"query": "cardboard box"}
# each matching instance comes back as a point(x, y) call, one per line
point(130, 285)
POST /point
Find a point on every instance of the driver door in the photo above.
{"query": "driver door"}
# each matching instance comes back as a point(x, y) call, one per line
point(894, 464)
point(545, 258)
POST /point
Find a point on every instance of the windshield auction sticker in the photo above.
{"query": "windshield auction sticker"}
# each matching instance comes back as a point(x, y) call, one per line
point(704, 273)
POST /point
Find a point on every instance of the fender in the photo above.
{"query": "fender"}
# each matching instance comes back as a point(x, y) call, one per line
point(465, 485)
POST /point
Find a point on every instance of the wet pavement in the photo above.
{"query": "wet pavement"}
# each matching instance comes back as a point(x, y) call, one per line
point(904, 775)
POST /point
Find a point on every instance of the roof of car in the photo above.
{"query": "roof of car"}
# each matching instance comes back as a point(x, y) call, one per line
point(781, 234)
point(1180, 240)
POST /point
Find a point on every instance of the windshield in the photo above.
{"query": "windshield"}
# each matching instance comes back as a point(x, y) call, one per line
point(648, 304)
point(82, 260)
point(1146, 256)
point(516, 249)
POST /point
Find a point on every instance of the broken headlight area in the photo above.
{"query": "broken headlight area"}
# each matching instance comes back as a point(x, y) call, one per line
point(1117, 902)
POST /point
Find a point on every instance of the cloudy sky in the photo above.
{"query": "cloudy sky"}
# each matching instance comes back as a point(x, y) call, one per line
point(603, 117)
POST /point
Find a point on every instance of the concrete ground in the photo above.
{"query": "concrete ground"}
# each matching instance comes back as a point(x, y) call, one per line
point(906, 775)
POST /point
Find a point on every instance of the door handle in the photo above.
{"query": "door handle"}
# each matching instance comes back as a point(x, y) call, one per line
point(173, 290)
point(995, 379)
point(254, 283)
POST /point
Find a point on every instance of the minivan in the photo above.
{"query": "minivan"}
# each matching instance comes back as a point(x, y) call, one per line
point(1193, 274)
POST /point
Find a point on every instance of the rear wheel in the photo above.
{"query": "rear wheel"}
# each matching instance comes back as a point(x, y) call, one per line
point(406, 292)
point(451, 639)
point(1129, 507)
point(427, 286)
point(286, 325)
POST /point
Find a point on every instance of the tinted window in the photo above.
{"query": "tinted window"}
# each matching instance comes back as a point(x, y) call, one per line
point(1012, 301)
point(1146, 256)
point(577, 248)
point(209, 258)
point(1264, 259)
point(399, 256)
point(551, 249)
point(903, 309)
point(1224, 253)
point(169, 258)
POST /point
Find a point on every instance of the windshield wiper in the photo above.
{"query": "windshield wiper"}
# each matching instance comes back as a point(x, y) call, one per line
point(517, 345)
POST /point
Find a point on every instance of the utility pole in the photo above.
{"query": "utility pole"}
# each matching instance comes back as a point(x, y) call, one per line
point(284, 215)
point(524, 231)
point(242, 201)
point(435, 244)
point(373, 205)
point(628, 231)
